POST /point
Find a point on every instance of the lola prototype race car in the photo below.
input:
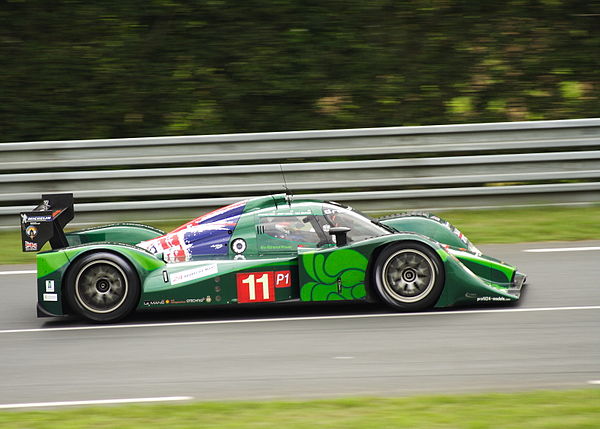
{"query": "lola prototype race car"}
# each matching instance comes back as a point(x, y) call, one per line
point(262, 250)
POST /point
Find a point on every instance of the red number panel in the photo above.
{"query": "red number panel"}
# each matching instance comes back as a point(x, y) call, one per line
point(255, 287)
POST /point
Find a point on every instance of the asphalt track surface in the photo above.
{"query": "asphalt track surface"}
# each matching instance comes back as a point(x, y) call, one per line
point(549, 340)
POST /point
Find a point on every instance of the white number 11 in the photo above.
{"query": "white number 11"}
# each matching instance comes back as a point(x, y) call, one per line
point(251, 282)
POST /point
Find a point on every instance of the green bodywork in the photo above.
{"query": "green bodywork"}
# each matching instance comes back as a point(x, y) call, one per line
point(276, 270)
point(333, 275)
point(127, 233)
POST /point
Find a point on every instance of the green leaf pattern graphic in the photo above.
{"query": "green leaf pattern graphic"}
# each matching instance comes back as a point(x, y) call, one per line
point(349, 266)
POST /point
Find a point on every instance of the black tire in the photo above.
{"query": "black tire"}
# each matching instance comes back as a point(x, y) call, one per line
point(409, 276)
point(102, 287)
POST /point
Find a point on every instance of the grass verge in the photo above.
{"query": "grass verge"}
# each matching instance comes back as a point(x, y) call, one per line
point(540, 409)
point(528, 224)
point(481, 226)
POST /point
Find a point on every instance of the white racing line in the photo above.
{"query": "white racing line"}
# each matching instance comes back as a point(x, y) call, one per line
point(563, 249)
point(14, 273)
point(299, 319)
point(95, 402)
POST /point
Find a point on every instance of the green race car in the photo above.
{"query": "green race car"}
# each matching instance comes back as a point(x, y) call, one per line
point(266, 249)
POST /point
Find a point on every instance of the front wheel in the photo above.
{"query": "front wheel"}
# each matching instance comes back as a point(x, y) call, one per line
point(102, 287)
point(409, 276)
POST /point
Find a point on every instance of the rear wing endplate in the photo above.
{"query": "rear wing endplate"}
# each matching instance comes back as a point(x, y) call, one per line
point(46, 222)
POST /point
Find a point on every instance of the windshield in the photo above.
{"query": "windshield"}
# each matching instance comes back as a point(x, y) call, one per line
point(361, 227)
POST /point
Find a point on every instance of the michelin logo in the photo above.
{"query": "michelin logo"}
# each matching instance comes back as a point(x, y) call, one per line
point(39, 218)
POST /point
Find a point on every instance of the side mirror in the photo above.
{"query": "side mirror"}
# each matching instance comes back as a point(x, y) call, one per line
point(341, 235)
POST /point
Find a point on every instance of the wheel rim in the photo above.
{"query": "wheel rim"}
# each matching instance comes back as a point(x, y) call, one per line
point(101, 286)
point(408, 275)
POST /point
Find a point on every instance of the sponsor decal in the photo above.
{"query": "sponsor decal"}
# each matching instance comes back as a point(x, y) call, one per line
point(49, 285)
point(492, 298)
point(30, 246)
point(194, 274)
point(35, 218)
point(274, 247)
point(50, 297)
point(175, 302)
point(31, 232)
point(217, 246)
point(165, 276)
point(238, 246)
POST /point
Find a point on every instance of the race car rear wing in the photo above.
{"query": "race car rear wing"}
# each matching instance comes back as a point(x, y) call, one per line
point(46, 223)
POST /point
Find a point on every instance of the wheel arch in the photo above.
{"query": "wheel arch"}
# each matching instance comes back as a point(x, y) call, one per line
point(79, 256)
point(430, 226)
point(372, 293)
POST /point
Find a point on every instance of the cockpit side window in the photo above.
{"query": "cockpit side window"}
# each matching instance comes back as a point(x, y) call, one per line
point(360, 226)
point(299, 229)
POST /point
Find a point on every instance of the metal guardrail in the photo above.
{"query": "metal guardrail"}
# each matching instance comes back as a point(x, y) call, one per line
point(378, 169)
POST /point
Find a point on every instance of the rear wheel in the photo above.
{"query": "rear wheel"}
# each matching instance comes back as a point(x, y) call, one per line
point(409, 276)
point(102, 287)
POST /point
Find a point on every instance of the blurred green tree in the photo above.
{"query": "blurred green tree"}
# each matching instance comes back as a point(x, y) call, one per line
point(75, 69)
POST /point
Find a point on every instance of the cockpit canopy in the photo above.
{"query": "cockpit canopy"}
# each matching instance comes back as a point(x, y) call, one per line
point(262, 227)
